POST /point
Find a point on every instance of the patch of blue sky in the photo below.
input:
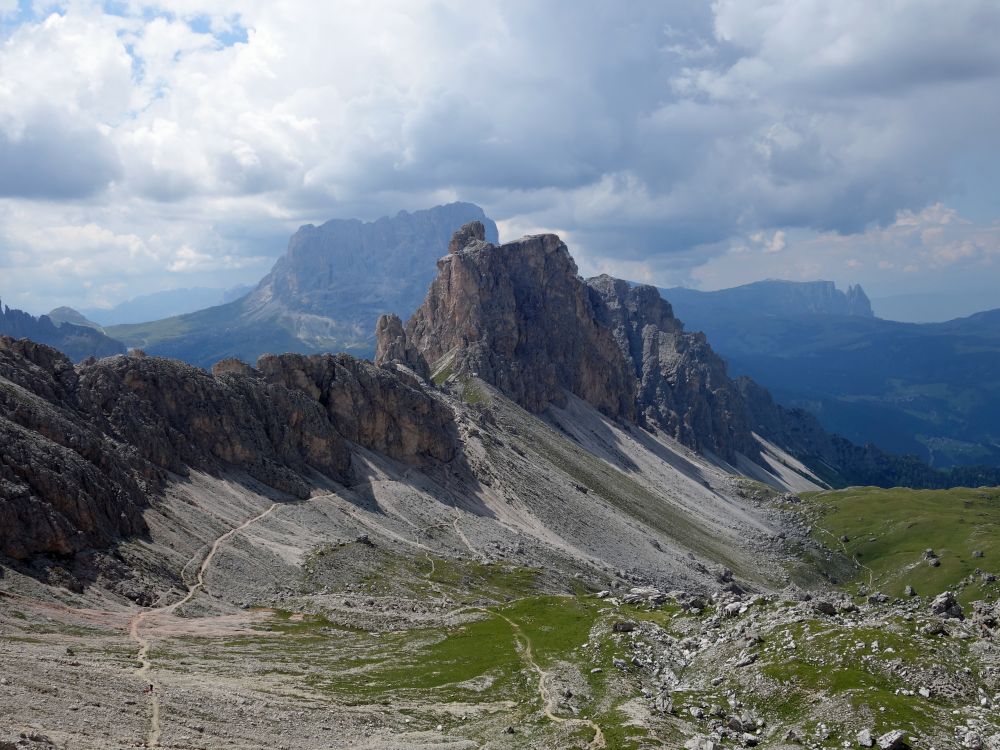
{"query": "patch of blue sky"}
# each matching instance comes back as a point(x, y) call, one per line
point(13, 15)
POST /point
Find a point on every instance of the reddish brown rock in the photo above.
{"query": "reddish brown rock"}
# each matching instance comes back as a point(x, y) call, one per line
point(518, 316)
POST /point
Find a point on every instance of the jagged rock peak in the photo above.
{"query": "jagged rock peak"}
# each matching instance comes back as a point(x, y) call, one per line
point(467, 234)
point(392, 346)
point(858, 302)
point(519, 317)
point(682, 384)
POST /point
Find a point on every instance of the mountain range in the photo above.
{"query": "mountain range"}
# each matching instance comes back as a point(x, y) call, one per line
point(544, 516)
point(324, 294)
point(930, 389)
point(77, 341)
point(922, 390)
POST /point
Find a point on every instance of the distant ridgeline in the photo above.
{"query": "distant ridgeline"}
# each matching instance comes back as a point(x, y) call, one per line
point(927, 389)
point(75, 341)
point(773, 297)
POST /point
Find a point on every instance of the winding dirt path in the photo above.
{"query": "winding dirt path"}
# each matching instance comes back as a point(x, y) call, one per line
point(136, 623)
point(548, 701)
point(843, 547)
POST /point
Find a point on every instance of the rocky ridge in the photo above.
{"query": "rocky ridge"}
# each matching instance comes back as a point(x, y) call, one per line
point(683, 387)
point(86, 447)
point(519, 317)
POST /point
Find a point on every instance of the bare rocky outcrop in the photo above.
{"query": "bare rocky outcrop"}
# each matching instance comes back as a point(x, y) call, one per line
point(372, 406)
point(518, 316)
point(392, 346)
point(64, 485)
point(178, 416)
point(683, 386)
point(86, 448)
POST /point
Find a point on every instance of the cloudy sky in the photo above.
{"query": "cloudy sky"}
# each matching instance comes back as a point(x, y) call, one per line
point(154, 146)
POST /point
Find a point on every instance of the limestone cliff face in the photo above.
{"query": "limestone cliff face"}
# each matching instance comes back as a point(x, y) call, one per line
point(64, 484)
point(380, 409)
point(518, 316)
point(86, 448)
point(682, 384)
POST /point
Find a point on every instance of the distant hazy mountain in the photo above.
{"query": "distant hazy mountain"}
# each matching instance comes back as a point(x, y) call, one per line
point(75, 341)
point(68, 315)
point(772, 297)
point(164, 304)
point(928, 389)
point(324, 294)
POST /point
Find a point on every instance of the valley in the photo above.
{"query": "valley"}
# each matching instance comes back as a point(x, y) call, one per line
point(376, 643)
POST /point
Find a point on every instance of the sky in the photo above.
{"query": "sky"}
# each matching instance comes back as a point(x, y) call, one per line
point(150, 146)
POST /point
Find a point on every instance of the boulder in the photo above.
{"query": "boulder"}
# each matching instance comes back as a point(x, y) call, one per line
point(894, 739)
point(824, 608)
point(945, 605)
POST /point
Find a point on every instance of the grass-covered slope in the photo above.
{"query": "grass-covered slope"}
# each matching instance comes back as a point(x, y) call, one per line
point(887, 531)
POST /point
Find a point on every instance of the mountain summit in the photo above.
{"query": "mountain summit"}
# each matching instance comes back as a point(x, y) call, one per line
point(518, 317)
point(347, 269)
point(324, 294)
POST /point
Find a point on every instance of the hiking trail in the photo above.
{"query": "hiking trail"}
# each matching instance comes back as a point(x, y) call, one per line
point(135, 626)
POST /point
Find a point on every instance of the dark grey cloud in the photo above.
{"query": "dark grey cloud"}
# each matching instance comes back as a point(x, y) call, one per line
point(53, 159)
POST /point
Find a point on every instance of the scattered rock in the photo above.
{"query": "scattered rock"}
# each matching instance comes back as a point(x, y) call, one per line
point(824, 607)
point(894, 739)
point(946, 605)
point(932, 628)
